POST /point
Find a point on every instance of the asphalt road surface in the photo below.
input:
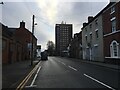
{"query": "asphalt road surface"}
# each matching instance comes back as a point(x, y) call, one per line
point(58, 72)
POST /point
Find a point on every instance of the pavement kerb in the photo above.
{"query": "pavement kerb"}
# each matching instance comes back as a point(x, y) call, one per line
point(103, 64)
point(117, 67)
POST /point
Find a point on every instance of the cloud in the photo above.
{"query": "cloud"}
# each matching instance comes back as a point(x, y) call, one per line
point(48, 10)
point(48, 13)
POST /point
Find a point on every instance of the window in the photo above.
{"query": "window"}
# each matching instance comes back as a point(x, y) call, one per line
point(86, 37)
point(86, 29)
point(114, 49)
point(112, 10)
point(96, 22)
point(90, 36)
point(113, 22)
point(96, 32)
point(90, 26)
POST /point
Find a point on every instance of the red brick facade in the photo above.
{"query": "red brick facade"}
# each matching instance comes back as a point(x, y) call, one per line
point(15, 43)
point(109, 35)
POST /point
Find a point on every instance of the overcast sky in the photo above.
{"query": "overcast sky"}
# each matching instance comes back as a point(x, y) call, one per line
point(48, 13)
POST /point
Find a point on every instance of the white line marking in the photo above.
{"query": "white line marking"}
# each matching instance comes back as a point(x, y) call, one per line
point(72, 68)
point(30, 86)
point(35, 76)
point(99, 81)
point(63, 63)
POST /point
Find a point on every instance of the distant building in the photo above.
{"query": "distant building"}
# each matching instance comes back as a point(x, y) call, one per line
point(111, 27)
point(38, 50)
point(75, 46)
point(63, 36)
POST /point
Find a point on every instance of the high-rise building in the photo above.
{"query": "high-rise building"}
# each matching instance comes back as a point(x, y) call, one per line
point(63, 36)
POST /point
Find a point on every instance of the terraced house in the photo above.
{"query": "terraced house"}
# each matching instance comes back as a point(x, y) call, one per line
point(92, 39)
point(16, 43)
point(111, 27)
point(101, 35)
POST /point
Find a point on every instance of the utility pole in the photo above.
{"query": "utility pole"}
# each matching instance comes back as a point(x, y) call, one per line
point(32, 51)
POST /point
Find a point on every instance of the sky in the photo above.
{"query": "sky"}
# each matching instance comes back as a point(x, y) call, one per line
point(47, 14)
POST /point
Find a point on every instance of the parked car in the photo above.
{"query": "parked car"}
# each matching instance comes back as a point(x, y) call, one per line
point(44, 55)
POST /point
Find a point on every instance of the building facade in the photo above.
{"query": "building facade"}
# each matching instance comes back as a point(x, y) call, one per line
point(8, 41)
point(16, 43)
point(92, 39)
point(25, 37)
point(75, 46)
point(111, 27)
point(63, 35)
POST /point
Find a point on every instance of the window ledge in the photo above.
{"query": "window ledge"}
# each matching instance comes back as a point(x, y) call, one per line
point(112, 12)
point(112, 33)
point(113, 57)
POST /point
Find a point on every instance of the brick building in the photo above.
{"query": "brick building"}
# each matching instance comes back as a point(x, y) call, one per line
point(16, 43)
point(24, 36)
point(111, 27)
point(8, 41)
point(75, 46)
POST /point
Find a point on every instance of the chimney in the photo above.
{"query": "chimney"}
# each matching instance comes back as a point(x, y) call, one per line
point(90, 18)
point(84, 24)
point(22, 24)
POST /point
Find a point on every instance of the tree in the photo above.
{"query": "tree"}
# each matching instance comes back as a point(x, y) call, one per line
point(50, 48)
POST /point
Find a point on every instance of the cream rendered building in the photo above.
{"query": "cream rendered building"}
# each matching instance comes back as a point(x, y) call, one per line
point(92, 39)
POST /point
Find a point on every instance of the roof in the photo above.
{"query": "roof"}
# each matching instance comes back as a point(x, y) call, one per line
point(12, 30)
point(111, 3)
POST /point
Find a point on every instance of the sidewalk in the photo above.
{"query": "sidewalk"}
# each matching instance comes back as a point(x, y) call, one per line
point(13, 74)
point(112, 66)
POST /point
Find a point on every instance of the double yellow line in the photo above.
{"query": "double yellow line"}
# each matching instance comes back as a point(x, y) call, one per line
point(22, 84)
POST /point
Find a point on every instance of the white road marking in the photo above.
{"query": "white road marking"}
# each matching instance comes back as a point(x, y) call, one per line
point(33, 81)
point(99, 81)
point(72, 68)
point(63, 63)
point(25, 80)
point(35, 76)
point(58, 61)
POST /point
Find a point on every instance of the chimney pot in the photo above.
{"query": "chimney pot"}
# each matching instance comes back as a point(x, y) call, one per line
point(84, 24)
point(22, 24)
point(90, 18)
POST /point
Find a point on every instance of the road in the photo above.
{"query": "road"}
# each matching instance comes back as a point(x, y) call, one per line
point(58, 72)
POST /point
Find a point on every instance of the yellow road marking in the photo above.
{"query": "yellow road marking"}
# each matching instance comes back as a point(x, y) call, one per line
point(22, 84)
point(24, 79)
